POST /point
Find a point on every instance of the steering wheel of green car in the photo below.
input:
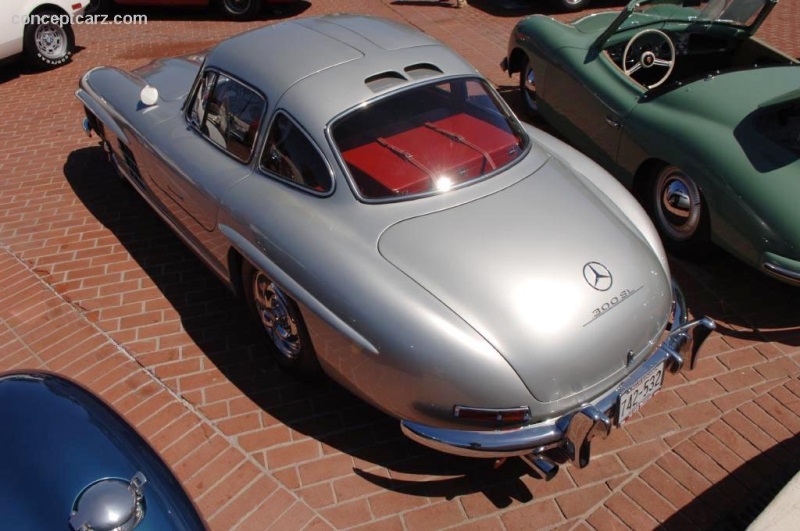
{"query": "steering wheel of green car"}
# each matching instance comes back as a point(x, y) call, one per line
point(649, 58)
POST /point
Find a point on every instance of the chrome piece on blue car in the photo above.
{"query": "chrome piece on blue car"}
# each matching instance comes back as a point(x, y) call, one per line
point(469, 275)
point(110, 503)
point(70, 460)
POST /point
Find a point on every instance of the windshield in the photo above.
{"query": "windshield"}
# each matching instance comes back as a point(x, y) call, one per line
point(429, 139)
point(734, 12)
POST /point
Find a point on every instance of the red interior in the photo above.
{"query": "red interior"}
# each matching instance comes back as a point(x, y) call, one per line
point(384, 171)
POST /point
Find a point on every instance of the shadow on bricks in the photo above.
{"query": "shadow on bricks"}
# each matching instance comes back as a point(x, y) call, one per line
point(747, 305)
point(735, 501)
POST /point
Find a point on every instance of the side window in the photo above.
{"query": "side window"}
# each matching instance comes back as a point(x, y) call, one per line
point(197, 111)
point(227, 113)
point(291, 155)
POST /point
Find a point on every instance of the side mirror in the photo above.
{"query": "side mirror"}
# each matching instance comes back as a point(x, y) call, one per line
point(149, 96)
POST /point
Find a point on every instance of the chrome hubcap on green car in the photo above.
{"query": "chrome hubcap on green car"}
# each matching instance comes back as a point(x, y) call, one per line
point(238, 7)
point(530, 90)
point(678, 204)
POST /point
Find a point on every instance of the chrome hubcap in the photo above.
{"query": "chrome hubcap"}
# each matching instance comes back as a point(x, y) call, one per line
point(51, 41)
point(530, 89)
point(273, 310)
point(678, 205)
point(238, 7)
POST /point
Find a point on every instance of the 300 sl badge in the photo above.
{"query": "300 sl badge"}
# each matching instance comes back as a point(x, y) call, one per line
point(612, 303)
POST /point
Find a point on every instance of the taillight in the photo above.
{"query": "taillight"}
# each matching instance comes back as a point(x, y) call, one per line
point(497, 417)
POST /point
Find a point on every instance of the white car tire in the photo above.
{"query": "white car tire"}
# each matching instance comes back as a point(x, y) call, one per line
point(48, 43)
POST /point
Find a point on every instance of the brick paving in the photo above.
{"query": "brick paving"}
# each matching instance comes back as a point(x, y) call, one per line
point(97, 288)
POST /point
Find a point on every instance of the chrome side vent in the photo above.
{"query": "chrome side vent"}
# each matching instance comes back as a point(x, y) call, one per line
point(130, 162)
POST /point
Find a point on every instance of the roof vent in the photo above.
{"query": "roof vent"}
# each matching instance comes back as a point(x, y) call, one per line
point(384, 80)
point(422, 70)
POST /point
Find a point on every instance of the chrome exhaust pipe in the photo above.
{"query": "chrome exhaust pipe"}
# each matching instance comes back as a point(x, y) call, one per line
point(542, 465)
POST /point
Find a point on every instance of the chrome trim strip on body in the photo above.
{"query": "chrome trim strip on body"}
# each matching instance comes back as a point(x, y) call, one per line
point(781, 272)
point(551, 433)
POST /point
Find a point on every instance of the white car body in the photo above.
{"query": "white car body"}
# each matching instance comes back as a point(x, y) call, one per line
point(13, 14)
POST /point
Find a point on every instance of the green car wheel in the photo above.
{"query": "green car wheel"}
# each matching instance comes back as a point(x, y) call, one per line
point(678, 209)
point(527, 87)
point(569, 6)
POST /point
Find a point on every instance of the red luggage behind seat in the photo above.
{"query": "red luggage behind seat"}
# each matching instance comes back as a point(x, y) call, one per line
point(410, 162)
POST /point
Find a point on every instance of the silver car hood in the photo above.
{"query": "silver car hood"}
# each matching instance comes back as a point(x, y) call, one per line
point(513, 265)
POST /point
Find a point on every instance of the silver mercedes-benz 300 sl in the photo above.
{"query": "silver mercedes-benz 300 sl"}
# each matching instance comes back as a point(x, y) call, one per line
point(389, 220)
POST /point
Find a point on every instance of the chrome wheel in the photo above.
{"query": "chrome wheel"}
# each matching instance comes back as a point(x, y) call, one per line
point(51, 41)
point(527, 85)
point(530, 90)
point(678, 205)
point(276, 316)
point(239, 9)
point(571, 5)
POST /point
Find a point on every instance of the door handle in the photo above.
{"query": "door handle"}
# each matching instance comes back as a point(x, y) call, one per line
point(610, 120)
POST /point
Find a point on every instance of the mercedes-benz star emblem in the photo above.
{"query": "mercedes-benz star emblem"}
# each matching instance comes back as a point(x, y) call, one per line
point(597, 276)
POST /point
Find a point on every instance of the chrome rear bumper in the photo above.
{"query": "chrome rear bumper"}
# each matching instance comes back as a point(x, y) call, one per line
point(575, 430)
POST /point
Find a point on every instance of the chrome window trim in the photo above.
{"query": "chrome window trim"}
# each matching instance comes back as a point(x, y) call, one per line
point(428, 81)
point(193, 94)
point(280, 178)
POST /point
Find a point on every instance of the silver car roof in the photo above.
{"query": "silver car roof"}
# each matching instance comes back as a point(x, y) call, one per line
point(341, 52)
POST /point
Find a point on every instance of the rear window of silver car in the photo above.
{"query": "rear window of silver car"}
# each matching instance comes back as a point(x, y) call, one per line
point(427, 140)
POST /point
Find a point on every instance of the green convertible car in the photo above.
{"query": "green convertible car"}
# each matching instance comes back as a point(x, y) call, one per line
point(688, 109)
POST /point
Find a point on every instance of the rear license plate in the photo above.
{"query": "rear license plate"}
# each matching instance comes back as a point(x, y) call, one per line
point(636, 396)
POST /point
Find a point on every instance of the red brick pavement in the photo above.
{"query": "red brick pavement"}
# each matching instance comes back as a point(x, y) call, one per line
point(97, 288)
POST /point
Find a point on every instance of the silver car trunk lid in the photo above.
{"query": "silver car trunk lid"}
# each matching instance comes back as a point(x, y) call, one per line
point(560, 285)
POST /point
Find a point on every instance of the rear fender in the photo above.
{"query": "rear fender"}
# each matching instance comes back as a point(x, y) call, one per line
point(255, 256)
